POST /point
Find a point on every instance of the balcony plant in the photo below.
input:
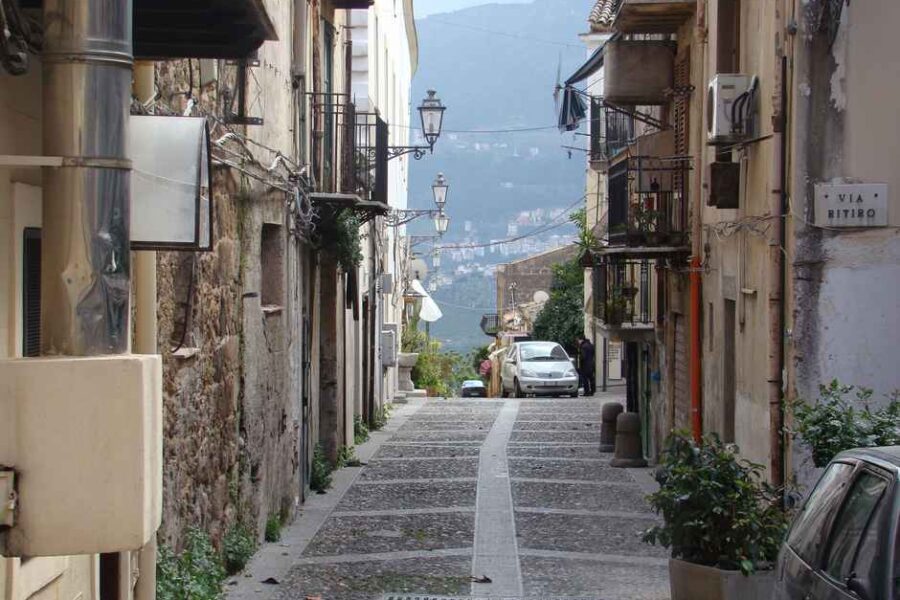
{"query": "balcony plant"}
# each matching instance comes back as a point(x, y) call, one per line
point(721, 520)
point(616, 309)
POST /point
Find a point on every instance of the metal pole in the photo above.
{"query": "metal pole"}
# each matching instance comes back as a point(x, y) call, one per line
point(85, 271)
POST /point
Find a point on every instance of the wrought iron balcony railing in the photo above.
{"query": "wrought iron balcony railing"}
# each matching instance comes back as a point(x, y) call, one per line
point(611, 132)
point(490, 324)
point(648, 202)
point(626, 294)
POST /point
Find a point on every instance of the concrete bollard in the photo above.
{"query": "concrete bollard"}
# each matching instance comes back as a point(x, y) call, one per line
point(608, 415)
point(628, 441)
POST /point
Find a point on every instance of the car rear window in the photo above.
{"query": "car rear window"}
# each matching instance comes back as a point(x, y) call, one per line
point(807, 534)
point(853, 530)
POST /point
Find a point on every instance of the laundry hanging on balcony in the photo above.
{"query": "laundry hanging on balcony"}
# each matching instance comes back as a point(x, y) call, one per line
point(573, 108)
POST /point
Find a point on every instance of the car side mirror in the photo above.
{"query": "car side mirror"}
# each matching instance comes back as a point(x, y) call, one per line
point(858, 587)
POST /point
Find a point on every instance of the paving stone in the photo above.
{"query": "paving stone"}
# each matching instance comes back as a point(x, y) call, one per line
point(447, 425)
point(560, 451)
point(561, 469)
point(441, 436)
point(410, 495)
point(616, 498)
point(582, 533)
point(570, 425)
point(363, 535)
point(570, 577)
point(367, 580)
point(423, 450)
point(421, 469)
point(556, 436)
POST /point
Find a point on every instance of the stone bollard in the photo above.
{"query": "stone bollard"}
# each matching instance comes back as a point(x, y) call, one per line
point(628, 442)
point(608, 415)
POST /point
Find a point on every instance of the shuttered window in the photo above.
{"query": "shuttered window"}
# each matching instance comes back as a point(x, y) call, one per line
point(31, 292)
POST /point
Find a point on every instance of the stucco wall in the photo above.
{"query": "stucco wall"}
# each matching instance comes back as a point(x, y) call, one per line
point(845, 283)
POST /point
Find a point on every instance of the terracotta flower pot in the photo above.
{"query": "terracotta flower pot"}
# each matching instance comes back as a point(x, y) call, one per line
point(689, 581)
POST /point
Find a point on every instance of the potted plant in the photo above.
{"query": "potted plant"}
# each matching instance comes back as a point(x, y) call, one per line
point(616, 307)
point(721, 520)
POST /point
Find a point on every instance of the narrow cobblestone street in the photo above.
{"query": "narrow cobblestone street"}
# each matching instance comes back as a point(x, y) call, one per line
point(481, 498)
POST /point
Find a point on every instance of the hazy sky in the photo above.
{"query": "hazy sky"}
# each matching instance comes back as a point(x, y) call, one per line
point(423, 8)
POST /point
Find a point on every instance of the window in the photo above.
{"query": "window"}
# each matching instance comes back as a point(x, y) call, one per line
point(807, 533)
point(271, 255)
point(854, 537)
point(31, 292)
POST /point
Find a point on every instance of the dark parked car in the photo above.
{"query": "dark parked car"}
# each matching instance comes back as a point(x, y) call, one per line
point(473, 388)
point(844, 542)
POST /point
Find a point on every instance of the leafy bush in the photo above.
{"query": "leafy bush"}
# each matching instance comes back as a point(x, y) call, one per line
point(273, 528)
point(320, 476)
point(360, 430)
point(238, 546)
point(197, 573)
point(413, 340)
point(346, 458)
point(381, 416)
point(717, 508)
point(833, 424)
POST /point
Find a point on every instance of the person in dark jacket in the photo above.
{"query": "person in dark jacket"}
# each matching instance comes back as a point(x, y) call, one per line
point(586, 370)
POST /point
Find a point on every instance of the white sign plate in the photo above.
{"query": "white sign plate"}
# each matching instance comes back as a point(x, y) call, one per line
point(852, 204)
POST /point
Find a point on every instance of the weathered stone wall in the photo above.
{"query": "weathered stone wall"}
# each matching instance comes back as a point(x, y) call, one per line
point(232, 364)
point(530, 275)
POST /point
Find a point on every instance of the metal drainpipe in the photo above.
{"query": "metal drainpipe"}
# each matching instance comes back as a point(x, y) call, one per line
point(87, 64)
point(696, 289)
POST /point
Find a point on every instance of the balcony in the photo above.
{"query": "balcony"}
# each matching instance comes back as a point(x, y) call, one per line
point(490, 324)
point(348, 155)
point(639, 72)
point(648, 203)
point(653, 16)
point(612, 131)
point(626, 297)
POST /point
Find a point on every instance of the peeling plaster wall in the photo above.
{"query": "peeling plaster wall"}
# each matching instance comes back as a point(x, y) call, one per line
point(845, 283)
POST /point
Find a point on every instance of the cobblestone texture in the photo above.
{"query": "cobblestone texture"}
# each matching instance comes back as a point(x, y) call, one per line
point(421, 469)
point(583, 533)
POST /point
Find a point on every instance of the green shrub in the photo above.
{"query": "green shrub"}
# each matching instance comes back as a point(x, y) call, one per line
point(381, 416)
point(717, 509)
point(197, 573)
point(833, 424)
point(360, 430)
point(346, 458)
point(273, 528)
point(320, 477)
point(238, 546)
point(561, 319)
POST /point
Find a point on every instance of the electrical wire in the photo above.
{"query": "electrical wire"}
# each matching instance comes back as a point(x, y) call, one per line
point(504, 33)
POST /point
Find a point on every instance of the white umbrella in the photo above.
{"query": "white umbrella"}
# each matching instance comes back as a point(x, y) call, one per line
point(430, 311)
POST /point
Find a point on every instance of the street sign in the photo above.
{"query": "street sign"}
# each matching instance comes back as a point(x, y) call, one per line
point(851, 204)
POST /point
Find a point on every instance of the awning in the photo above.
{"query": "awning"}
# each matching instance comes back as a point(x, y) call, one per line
point(590, 67)
point(572, 110)
point(430, 311)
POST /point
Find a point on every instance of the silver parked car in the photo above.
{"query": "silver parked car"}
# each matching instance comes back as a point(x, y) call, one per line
point(844, 544)
point(538, 368)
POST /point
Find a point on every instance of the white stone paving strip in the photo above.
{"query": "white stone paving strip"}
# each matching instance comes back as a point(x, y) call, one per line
point(496, 549)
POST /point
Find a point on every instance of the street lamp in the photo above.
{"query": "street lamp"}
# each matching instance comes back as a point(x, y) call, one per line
point(436, 258)
point(431, 111)
point(439, 189)
point(441, 223)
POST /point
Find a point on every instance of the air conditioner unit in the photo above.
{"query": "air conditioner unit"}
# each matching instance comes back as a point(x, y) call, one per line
point(731, 108)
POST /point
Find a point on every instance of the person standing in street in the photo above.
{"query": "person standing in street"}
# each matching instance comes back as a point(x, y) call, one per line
point(586, 369)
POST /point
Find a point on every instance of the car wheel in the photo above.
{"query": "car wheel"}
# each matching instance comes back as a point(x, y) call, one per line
point(519, 392)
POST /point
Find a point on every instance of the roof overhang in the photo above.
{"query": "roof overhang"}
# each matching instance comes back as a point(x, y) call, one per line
point(653, 16)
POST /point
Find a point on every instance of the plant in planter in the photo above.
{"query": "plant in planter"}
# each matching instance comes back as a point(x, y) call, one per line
point(616, 309)
point(721, 519)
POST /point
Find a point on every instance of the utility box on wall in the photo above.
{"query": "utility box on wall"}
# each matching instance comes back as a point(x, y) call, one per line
point(724, 184)
point(638, 72)
point(389, 345)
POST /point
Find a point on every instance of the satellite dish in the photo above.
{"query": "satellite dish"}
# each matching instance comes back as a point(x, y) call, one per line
point(418, 269)
point(540, 296)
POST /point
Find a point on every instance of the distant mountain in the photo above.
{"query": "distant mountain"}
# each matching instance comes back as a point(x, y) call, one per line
point(494, 67)
point(423, 8)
